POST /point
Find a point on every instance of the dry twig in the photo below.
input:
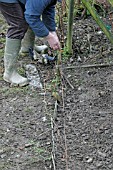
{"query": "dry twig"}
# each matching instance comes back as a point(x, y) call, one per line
point(53, 145)
point(67, 81)
point(89, 66)
point(66, 155)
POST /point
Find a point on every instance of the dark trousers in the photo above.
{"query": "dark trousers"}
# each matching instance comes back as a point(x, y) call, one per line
point(14, 15)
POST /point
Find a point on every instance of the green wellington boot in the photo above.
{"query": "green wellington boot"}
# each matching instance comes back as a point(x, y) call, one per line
point(28, 43)
point(12, 48)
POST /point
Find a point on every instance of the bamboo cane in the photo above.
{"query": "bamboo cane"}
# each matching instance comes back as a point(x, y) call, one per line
point(111, 2)
point(92, 11)
point(70, 26)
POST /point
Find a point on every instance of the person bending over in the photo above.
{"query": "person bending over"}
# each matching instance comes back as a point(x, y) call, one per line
point(26, 19)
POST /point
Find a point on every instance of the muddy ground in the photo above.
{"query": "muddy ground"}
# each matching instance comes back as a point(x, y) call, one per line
point(81, 137)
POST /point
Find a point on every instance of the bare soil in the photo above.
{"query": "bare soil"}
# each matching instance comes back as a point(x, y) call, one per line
point(81, 137)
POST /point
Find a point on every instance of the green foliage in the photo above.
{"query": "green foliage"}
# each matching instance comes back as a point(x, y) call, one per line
point(55, 83)
point(65, 54)
point(21, 71)
point(42, 153)
point(6, 91)
point(1, 52)
point(28, 109)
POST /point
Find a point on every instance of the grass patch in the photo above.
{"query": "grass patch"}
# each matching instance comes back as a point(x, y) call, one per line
point(65, 54)
point(21, 71)
point(28, 110)
point(42, 153)
point(1, 52)
point(6, 91)
point(1, 78)
point(20, 91)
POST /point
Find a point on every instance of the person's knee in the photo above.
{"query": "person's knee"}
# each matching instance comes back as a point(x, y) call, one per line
point(18, 30)
point(22, 28)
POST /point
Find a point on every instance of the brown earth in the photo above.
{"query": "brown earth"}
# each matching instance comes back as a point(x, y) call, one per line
point(81, 137)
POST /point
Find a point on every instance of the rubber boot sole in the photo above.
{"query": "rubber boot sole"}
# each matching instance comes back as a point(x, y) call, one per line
point(15, 84)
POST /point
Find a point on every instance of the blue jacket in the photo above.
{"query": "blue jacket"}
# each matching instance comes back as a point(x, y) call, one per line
point(39, 14)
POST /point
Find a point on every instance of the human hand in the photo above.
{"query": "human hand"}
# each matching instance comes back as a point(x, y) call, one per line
point(53, 41)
